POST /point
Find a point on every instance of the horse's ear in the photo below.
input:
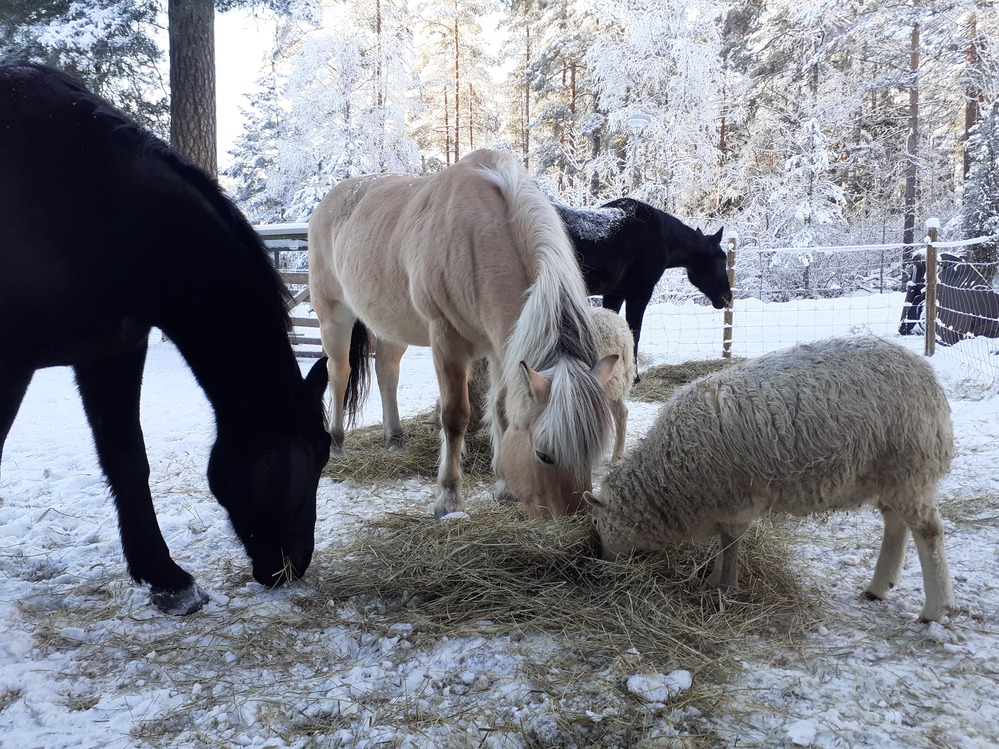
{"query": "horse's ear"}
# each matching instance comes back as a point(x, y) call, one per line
point(317, 379)
point(537, 385)
point(593, 501)
point(699, 232)
point(604, 369)
point(717, 236)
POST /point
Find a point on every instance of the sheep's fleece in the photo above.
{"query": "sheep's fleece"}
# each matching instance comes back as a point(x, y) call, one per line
point(822, 426)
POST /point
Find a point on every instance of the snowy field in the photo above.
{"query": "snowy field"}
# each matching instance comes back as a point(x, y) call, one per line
point(86, 662)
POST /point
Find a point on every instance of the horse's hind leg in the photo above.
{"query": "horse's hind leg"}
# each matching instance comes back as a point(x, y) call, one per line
point(13, 386)
point(110, 391)
point(335, 327)
point(387, 358)
point(452, 357)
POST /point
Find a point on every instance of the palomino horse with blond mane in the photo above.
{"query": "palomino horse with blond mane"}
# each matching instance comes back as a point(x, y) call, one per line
point(473, 262)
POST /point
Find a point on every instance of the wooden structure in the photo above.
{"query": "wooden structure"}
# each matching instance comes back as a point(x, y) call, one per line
point(280, 239)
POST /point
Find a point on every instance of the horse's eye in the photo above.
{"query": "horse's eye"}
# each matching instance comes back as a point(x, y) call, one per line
point(544, 458)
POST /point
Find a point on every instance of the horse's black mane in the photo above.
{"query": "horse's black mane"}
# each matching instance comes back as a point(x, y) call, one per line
point(121, 126)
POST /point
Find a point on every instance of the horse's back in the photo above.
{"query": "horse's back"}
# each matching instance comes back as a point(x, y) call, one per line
point(415, 250)
point(103, 220)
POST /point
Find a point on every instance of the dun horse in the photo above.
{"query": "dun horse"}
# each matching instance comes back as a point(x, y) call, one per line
point(625, 245)
point(472, 262)
point(101, 226)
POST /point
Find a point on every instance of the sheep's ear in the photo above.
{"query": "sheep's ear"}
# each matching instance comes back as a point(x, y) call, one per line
point(593, 501)
point(604, 369)
point(537, 385)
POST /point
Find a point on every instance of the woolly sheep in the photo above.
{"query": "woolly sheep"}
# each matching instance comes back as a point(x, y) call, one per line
point(825, 426)
point(613, 337)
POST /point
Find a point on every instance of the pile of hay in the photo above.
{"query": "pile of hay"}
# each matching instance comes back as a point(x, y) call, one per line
point(366, 459)
point(658, 383)
point(496, 571)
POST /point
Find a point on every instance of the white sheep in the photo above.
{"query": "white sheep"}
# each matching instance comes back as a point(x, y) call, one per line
point(825, 426)
point(614, 337)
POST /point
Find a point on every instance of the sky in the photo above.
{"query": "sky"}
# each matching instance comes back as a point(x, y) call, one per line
point(85, 661)
point(242, 43)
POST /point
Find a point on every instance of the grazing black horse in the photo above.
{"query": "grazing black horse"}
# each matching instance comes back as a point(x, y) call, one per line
point(625, 245)
point(106, 232)
point(967, 304)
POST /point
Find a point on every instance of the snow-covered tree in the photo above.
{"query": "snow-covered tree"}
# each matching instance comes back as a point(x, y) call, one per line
point(255, 157)
point(456, 89)
point(108, 44)
point(981, 190)
point(661, 60)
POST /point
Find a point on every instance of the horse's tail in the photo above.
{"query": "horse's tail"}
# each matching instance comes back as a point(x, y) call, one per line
point(359, 381)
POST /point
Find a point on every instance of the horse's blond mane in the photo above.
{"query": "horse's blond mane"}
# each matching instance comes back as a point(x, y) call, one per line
point(553, 334)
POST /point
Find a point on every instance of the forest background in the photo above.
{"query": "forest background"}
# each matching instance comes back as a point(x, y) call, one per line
point(796, 124)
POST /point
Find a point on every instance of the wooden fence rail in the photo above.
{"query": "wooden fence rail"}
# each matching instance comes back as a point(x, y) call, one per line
point(280, 239)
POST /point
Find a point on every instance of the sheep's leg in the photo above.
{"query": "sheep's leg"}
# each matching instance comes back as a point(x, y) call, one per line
point(620, 412)
point(928, 535)
point(888, 569)
point(726, 570)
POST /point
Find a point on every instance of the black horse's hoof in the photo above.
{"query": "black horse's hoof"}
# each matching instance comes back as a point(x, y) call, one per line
point(179, 602)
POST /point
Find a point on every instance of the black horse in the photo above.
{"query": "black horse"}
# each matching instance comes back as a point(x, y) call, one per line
point(106, 232)
point(967, 304)
point(625, 245)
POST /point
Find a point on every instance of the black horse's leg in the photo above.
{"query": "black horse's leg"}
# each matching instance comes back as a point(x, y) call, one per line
point(634, 312)
point(13, 386)
point(110, 391)
point(613, 301)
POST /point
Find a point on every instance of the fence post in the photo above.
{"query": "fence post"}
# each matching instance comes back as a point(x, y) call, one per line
point(930, 303)
point(727, 323)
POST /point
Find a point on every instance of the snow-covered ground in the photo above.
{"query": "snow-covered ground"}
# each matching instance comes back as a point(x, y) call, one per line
point(86, 662)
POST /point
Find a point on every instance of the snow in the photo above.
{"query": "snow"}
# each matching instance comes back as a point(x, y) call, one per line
point(86, 661)
point(592, 223)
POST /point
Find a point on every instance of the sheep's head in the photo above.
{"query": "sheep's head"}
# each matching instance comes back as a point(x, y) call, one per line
point(608, 542)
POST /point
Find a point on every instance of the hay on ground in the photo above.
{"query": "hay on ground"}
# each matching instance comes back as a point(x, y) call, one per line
point(659, 383)
point(497, 571)
point(366, 459)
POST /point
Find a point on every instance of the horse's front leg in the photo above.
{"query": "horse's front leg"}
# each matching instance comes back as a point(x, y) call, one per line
point(335, 328)
point(634, 313)
point(498, 424)
point(452, 357)
point(387, 358)
point(13, 386)
point(110, 392)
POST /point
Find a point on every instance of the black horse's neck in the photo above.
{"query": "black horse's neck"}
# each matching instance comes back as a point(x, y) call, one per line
point(678, 240)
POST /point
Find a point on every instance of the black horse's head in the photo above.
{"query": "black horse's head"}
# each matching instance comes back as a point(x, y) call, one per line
point(267, 477)
point(708, 269)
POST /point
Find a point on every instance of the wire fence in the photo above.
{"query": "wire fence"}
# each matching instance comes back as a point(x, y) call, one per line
point(784, 296)
point(791, 295)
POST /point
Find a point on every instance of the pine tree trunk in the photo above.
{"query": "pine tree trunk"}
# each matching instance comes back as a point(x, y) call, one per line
point(192, 81)
point(973, 94)
point(912, 143)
